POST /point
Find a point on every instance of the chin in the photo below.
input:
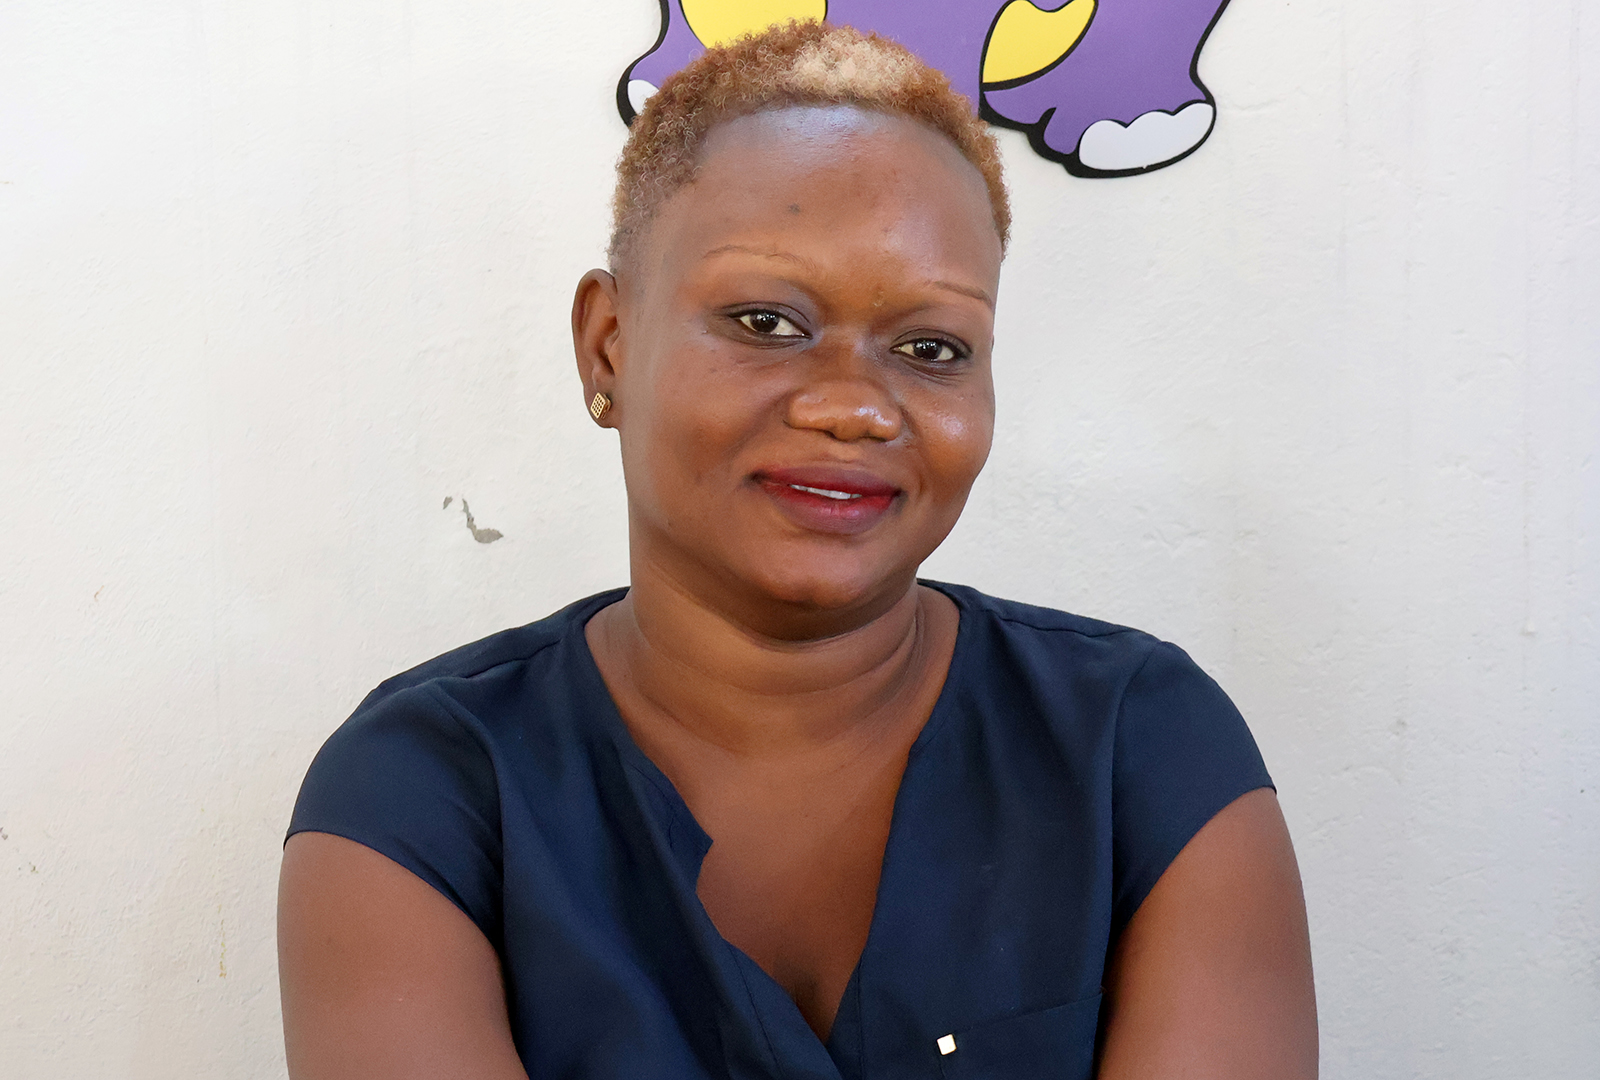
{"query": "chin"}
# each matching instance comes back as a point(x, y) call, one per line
point(825, 583)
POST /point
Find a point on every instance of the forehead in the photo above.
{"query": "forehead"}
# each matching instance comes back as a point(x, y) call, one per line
point(825, 132)
point(835, 176)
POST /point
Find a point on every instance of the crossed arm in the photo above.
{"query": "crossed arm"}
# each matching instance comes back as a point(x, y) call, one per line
point(385, 979)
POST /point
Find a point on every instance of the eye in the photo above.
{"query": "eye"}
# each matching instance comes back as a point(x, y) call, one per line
point(928, 350)
point(770, 324)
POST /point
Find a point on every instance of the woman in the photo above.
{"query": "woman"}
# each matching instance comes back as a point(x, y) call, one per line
point(779, 809)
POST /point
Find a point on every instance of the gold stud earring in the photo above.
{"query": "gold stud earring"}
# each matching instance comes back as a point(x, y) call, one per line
point(598, 407)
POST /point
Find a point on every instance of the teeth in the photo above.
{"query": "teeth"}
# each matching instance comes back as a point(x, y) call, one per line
point(825, 493)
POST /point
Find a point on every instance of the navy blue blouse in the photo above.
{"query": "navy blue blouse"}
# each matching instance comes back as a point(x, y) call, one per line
point(1066, 763)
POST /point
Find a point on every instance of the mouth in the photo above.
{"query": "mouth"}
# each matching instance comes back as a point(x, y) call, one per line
point(830, 500)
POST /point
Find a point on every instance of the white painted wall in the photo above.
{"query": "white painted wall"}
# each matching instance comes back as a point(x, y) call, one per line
point(1321, 403)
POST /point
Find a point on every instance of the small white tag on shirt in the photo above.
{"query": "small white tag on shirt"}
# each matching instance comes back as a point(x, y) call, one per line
point(947, 1044)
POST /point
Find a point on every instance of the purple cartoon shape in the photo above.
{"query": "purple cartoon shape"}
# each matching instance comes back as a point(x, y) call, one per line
point(1123, 96)
point(1128, 97)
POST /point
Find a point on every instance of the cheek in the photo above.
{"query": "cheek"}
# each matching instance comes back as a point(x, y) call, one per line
point(957, 434)
point(702, 407)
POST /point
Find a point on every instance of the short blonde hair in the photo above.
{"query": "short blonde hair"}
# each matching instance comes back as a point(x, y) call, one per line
point(801, 63)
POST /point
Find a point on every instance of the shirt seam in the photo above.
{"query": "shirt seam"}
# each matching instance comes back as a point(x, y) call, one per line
point(480, 672)
point(988, 605)
point(1122, 694)
point(1116, 733)
point(450, 706)
point(1113, 632)
point(755, 1009)
point(556, 637)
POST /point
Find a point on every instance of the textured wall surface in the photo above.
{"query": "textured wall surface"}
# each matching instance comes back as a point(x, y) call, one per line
point(1321, 403)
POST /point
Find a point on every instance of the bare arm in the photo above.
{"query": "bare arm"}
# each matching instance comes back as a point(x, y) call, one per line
point(382, 977)
point(1212, 978)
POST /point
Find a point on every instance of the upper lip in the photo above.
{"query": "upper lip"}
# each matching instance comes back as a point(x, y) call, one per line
point(830, 478)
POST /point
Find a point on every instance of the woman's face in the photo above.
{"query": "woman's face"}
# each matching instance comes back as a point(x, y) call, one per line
point(799, 361)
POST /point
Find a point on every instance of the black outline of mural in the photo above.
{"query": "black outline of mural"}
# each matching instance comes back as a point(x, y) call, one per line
point(624, 106)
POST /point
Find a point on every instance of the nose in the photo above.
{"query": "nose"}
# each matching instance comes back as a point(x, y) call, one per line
point(846, 401)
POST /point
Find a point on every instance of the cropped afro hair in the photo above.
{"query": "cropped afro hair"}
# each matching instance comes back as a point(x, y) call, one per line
point(801, 63)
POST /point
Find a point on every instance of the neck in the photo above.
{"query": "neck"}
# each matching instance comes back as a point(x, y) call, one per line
point(670, 655)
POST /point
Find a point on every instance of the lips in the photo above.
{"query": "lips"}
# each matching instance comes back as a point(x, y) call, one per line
point(831, 500)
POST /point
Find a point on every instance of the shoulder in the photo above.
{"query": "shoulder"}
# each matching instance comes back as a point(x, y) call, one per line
point(1115, 670)
point(1099, 684)
point(1032, 617)
point(1151, 678)
point(447, 724)
point(1019, 640)
point(451, 722)
point(489, 661)
point(415, 773)
point(1131, 717)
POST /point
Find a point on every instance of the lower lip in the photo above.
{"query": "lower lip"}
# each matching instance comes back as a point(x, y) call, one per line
point(845, 517)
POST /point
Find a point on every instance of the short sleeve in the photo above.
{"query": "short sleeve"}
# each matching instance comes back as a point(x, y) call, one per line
point(407, 778)
point(1182, 753)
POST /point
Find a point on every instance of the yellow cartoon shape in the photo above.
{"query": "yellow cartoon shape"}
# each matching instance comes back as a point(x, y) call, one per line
point(1027, 40)
point(717, 22)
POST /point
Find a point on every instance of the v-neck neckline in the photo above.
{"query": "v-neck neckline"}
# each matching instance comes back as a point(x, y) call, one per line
point(633, 756)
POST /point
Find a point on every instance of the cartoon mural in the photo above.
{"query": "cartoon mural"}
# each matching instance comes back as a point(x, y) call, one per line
point(1106, 87)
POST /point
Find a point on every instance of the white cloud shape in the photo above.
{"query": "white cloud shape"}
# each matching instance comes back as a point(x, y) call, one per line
point(1152, 139)
point(640, 92)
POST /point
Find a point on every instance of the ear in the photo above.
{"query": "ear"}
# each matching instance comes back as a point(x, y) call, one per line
point(596, 331)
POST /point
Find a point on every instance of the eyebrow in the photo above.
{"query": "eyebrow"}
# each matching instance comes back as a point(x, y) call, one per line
point(799, 260)
point(966, 290)
point(949, 286)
